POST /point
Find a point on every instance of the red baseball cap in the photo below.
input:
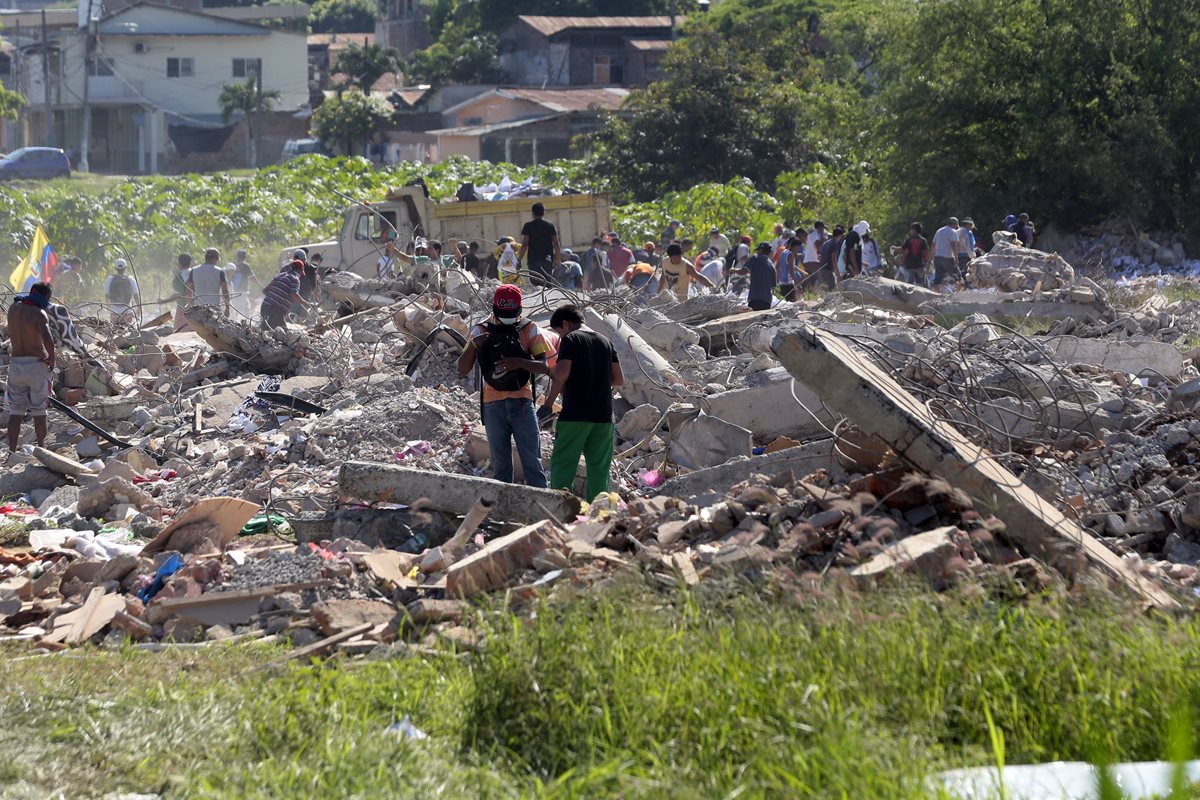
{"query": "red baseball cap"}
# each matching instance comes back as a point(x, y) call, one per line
point(507, 298)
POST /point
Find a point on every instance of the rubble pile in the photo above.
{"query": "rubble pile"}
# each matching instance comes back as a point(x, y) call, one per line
point(328, 485)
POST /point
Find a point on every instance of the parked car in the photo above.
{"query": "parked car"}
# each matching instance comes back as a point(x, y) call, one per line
point(303, 147)
point(35, 162)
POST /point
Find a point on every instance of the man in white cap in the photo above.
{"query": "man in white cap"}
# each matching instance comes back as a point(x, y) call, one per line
point(720, 241)
point(121, 292)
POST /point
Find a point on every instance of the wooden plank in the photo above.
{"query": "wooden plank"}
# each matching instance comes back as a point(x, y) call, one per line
point(877, 404)
point(329, 641)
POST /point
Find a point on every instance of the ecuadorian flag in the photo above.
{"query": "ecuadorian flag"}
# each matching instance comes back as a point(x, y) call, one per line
point(41, 264)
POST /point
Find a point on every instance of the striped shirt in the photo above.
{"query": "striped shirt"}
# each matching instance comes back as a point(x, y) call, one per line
point(279, 291)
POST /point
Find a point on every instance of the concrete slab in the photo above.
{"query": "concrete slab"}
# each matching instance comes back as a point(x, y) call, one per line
point(880, 406)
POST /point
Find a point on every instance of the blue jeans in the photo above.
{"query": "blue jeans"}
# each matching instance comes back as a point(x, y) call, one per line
point(512, 420)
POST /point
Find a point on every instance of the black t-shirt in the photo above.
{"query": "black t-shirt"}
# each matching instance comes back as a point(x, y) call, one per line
point(541, 239)
point(308, 282)
point(471, 263)
point(587, 395)
point(829, 252)
point(915, 250)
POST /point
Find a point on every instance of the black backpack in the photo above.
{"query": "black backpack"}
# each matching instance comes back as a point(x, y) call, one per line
point(504, 341)
point(121, 289)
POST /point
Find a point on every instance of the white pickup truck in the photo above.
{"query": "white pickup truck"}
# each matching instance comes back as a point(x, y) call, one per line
point(407, 213)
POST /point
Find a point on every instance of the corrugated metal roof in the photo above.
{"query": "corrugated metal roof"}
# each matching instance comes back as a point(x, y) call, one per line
point(482, 130)
point(548, 26)
point(648, 44)
point(606, 98)
point(340, 39)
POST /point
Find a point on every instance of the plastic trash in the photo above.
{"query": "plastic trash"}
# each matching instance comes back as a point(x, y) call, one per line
point(49, 539)
point(168, 568)
point(1064, 780)
point(406, 730)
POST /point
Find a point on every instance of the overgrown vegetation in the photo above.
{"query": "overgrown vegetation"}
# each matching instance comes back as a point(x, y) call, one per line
point(631, 694)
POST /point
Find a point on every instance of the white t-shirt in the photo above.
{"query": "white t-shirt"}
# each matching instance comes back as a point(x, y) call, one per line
point(945, 242)
point(964, 241)
point(206, 280)
point(714, 271)
point(721, 242)
point(743, 254)
point(870, 255)
point(810, 247)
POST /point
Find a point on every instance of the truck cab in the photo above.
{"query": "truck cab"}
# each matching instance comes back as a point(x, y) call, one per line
point(407, 213)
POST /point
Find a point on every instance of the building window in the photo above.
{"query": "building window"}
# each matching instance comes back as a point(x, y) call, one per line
point(99, 66)
point(245, 67)
point(181, 67)
point(607, 69)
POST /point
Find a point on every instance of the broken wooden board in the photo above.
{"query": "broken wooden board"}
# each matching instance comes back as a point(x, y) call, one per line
point(391, 566)
point(453, 494)
point(218, 608)
point(228, 514)
point(878, 405)
point(501, 559)
point(86, 621)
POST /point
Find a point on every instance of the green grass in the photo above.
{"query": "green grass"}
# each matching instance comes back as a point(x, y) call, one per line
point(630, 693)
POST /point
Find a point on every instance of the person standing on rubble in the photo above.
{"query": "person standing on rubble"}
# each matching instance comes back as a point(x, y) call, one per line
point(509, 350)
point(31, 351)
point(671, 233)
point(680, 273)
point(207, 283)
point(122, 294)
point(620, 258)
point(945, 255)
point(282, 294)
point(762, 277)
point(719, 240)
point(966, 244)
point(586, 372)
point(180, 293)
point(539, 241)
point(596, 272)
point(788, 268)
point(824, 274)
point(871, 256)
point(915, 255)
point(812, 247)
point(242, 280)
point(70, 279)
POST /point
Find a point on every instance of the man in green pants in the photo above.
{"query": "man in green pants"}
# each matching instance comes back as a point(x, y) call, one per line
point(586, 372)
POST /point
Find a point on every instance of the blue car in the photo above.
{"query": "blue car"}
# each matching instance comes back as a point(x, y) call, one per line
point(35, 162)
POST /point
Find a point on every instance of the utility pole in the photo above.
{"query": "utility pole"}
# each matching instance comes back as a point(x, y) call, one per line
point(49, 140)
point(258, 112)
point(88, 42)
point(673, 10)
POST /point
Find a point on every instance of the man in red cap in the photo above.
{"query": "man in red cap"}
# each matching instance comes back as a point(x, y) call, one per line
point(509, 350)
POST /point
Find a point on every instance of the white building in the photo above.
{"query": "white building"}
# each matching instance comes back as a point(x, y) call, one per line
point(153, 83)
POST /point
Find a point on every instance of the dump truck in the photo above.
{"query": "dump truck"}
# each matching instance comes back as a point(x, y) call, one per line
point(408, 213)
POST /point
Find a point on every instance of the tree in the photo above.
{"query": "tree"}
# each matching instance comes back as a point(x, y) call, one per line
point(718, 115)
point(342, 16)
point(348, 118)
point(244, 97)
point(10, 103)
point(456, 58)
point(365, 64)
point(1072, 109)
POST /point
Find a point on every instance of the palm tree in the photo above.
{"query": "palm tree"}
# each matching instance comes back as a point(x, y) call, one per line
point(243, 97)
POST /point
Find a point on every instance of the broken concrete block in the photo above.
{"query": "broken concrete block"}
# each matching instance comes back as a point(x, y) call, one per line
point(60, 464)
point(88, 448)
point(637, 423)
point(701, 440)
point(501, 559)
point(334, 616)
point(646, 371)
point(133, 627)
point(768, 408)
point(428, 611)
point(454, 494)
point(926, 554)
point(1119, 356)
point(96, 500)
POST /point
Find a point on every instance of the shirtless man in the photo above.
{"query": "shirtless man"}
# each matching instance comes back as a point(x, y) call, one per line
point(32, 347)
